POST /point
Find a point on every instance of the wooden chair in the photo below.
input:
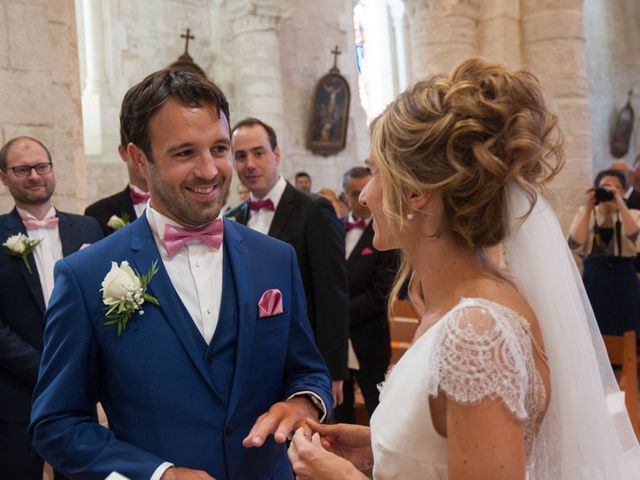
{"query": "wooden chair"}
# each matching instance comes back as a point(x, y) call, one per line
point(623, 352)
point(403, 323)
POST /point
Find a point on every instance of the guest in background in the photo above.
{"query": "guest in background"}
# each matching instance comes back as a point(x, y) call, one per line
point(119, 209)
point(370, 273)
point(605, 233)
point(310, 225)
point(303, 181)
point(242, 191)
point(342, 210)
point(26, 273)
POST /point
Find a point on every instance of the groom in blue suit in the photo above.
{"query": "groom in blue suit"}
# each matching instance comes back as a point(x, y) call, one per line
point(210, 382)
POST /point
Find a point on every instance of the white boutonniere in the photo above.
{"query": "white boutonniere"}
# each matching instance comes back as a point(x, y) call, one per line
point(116, 222)
point(124, 291)
point(20, 245)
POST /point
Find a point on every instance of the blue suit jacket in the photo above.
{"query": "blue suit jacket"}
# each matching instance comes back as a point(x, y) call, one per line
point(152, 381)
point(22, 311)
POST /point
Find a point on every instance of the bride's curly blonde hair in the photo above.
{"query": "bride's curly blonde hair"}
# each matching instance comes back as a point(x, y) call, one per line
point(466, 136)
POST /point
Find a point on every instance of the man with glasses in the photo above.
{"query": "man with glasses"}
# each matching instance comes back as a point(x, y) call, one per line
point(26, 277)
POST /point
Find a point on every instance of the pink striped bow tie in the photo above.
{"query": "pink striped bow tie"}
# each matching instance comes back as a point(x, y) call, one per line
point(175, 237)
point(361, 224)
point(137, 197)
point(33, 223)
point(261, 204)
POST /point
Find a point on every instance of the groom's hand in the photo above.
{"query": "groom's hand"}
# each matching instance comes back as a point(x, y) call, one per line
point(174, 473)
point(282, 419)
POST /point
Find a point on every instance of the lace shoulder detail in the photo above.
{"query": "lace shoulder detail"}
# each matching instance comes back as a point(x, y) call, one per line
point(483, 350)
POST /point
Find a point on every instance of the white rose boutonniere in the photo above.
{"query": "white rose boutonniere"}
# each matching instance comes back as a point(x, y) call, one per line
point(20, 245)
point(124, 291)
point(117, 222)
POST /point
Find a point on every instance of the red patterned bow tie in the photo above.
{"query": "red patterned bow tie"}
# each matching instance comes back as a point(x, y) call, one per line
point(33, 223)
point(175, 237)
point(137, 197)
point(361, 224)
point(261, 204)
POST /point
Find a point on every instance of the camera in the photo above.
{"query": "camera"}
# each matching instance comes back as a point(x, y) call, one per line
point(603, 195)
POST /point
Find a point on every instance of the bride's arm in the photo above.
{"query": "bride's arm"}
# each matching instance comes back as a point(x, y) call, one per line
point(485, 441)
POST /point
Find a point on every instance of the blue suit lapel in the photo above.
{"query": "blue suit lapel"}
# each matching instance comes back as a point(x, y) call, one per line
point(145, 252)
point(14, 225)
point(235, 248)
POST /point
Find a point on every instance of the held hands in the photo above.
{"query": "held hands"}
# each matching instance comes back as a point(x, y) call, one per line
point(311, 461)
point(351, 442)
point(282, 419)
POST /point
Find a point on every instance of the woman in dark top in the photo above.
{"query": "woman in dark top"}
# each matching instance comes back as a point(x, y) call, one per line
point(605, 233)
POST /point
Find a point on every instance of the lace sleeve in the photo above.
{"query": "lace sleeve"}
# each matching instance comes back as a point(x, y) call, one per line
point(479, 353)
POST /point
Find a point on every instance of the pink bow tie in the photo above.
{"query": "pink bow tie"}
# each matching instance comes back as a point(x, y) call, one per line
point(261, 204)
point(137, 197)
point(361, 224)
point(34, 223)
point(175, 237)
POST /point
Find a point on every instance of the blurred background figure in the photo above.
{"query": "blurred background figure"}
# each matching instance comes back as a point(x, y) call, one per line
point(342, 210)
point(605, 233)
point(303, 181)
point(242, 191)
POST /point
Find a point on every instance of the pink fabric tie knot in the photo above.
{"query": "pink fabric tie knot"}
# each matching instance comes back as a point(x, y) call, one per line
point(137, 197)
point(361, 224)
point(261, 204)
point(175, 238)
point(33, 223)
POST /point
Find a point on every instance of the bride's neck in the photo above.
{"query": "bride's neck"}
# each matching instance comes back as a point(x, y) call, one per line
point(442, 266)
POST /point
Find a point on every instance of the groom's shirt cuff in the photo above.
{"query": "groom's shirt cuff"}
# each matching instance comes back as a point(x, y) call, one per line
point(163, 467)
point(315, 399)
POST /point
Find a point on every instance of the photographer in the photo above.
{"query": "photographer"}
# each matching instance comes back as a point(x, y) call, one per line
point(606, 234)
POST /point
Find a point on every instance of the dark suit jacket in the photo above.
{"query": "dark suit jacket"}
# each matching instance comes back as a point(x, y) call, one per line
point(22, 311)
point(310, 225)
point(634, 200)
point(117, 204)
point(159, 382)
point(371, 273)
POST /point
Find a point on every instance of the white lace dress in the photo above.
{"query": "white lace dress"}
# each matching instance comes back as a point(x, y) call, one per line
point(478, 349)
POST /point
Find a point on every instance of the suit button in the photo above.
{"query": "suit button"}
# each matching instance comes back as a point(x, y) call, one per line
point(228, 431)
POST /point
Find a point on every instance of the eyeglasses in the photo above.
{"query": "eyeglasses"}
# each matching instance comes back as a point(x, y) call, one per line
point(25, 170)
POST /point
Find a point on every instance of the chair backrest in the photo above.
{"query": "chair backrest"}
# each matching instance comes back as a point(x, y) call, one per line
point(403, 323)
point(623, 352)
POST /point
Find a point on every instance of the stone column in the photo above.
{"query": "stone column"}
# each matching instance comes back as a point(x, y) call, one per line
point(257, 71)
point(96, 95)
point(443, 33)
point(499, 32)
point(397, 11)
point(554, 50)
point(40, 91)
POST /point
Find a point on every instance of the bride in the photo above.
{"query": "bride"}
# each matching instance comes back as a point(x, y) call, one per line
point(507, 377)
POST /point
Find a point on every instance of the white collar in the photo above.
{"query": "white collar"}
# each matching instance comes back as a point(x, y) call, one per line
point(275, 194)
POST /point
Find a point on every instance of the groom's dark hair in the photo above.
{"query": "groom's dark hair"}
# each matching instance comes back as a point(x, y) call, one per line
point(143, 100)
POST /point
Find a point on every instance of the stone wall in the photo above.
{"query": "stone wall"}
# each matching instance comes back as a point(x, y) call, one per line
point(40, 90)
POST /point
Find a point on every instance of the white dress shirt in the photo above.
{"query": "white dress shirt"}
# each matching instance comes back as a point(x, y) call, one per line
point(138, 207)
point(196, 273)
point(353, 236)
point(260, 220)
point(47, 253)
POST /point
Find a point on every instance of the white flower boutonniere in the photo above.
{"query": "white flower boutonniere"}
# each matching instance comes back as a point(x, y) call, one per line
point(117, 222)
point(20, 245)
point(124, 291)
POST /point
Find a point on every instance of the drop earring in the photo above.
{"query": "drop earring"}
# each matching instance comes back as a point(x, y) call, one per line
point(410, 216)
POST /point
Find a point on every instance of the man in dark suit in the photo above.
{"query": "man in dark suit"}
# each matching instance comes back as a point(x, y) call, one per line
point(125, 206)
point(371, 273)
point(26, 170)
point(307, 222)
point(222, 366)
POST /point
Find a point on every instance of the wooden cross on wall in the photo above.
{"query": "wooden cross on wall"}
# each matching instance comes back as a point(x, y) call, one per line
point(187, 36)
point(336, 51)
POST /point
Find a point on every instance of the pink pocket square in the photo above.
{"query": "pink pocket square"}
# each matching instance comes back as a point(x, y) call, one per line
point(84, 245)
point(271, 303)
point(366, 251)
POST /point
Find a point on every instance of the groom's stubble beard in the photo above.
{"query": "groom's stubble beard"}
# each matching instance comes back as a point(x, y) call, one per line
point(188, 212)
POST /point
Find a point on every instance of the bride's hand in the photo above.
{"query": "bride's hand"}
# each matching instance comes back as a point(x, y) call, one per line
point(310, 461)
point(351, 442)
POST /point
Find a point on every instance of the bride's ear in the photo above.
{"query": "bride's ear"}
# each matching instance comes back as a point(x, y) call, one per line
point(418, 201)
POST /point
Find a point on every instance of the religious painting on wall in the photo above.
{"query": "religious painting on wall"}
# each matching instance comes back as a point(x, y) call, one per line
point(327, 131)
